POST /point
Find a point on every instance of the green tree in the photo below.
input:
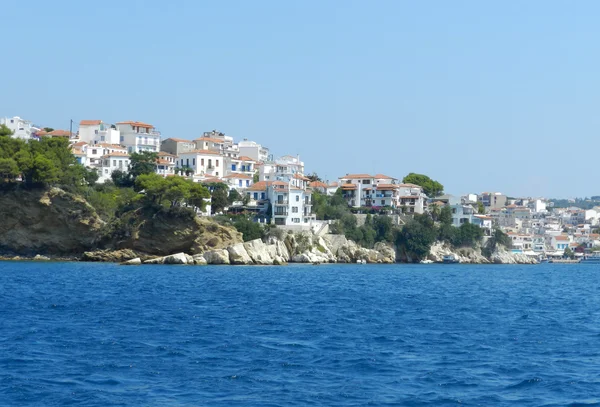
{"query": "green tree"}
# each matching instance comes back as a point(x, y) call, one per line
point(5, 131)
point(416, 238)
point(467, 235)
point(250, 230)
point(314, 177)
point(568, 253)
point(153, 186)
point(480, 208)
point(255, 177)
point(234, 196)
point(122, 179)
point(9, 170)
point(199, 195)
point(48, 129)
point(219, 195)
point(430, 187)
point(142, 163)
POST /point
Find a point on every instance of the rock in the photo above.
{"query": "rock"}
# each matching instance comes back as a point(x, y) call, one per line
point(111, 256)
point(279, 261)
point(133, 262)
point(238, 254)
point(220, 256)
point(502, 256)
point(258, 252)
point(178, 258)
point(387, 253)
point(39, 257)
point(199, 260)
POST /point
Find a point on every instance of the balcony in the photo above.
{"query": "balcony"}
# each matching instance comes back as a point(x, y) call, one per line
point(283, 202)
point(280, 213)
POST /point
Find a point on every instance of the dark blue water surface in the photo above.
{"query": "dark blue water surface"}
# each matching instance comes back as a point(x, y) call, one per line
point(332, 335)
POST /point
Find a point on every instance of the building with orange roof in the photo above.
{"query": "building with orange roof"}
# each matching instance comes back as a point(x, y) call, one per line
point(139, 136)
point(111, 162)
point(203, 162)
point(98, 132)
point(253, 150)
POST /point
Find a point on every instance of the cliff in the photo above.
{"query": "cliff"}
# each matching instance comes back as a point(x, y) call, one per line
point(49, 221)
point(57, 223)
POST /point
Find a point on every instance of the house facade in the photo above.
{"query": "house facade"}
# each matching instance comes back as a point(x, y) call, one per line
point(138, 136)
point(177, 146)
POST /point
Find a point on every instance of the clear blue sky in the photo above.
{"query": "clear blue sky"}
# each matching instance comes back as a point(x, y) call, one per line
point(482, 96)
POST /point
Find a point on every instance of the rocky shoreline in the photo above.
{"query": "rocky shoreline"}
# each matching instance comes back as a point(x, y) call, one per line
point(293, 248)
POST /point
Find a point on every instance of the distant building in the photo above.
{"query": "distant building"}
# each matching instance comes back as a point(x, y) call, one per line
point(253, 150)
point(138, 136)
point(177, 146)
point(97, 132)
point(492, 200)
point(21, 128)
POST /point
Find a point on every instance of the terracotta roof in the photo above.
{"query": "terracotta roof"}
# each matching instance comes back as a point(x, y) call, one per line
point(410, 197)
point(561, 237)
point(137, 124)
point(348, 186)
point(386, 186)
point(80, 143)
point(90, 122)
point(381, 176)
point(116, 146)
point(116, 154)
point(212, 179)
point(164, 162)
point(279, 183)
point(483, 217)
point(332, 185)
point(55, 133)
point(241, 176)
point(410, 186)
point(356, 176)
point(259, 186)
point(77, 151)
point(317, 184)
point(211, 140)
point(245, 158)
point(202, 152)
point(165, 154)
point(179, 140)
point(301, 177)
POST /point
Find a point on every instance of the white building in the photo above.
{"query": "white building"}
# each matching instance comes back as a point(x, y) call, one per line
point(290, 206)
point(112, 162)
point(97, 132)
point(138, 136)
point(253, 150)
point(21, 128)
point(165, 164)
point(206, 163)
point(238, 181)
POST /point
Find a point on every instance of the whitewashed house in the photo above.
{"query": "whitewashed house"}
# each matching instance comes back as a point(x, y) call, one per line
point(207, 163)
point(111, 162)
point(97, 132)
point(138, 136)
point(21, 128)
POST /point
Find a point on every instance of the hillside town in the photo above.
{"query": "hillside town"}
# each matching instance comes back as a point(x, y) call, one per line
point(279, 190)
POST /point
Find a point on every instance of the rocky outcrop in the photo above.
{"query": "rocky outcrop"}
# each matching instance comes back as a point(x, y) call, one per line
point(259, 252)
point(346, 251)
point(177, 258)
point(111, 256)
point(220, 256)
point(47, 221)
point(502, 256)
point(474, 256)
point(199, 260)
point(159, 231)
point(133, 262)
point(238, 254)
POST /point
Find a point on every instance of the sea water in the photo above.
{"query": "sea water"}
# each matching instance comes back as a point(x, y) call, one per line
point(90, 334)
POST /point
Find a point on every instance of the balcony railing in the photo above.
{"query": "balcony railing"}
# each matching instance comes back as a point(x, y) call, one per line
point(282, 202)
point(281, 214)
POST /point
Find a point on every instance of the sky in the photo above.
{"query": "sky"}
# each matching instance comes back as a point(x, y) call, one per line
point(481, 96)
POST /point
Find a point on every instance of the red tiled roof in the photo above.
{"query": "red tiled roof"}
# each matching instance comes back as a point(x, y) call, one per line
point(356, 176)
point(381, 176)
point(245, 158)
point(211, 140)
point(90, 122)
point(180, 140)
point(240, 176)
point(138, 124)
point(317, 184)
point(116, 154)
point(259, 186)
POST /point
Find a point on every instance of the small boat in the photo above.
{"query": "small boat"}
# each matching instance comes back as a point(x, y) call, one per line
point(316, 263)
point(450, 259)
point(361, 261)
point(426, 261)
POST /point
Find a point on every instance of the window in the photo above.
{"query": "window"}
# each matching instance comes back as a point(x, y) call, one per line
point(209, 163)
point(366, 181)
point(240, 183)
point(297, 198)
point(216, 163)
point(95, 131)
point(102, 138)
point(296, 220)
point(217, 173)
point(256, 195)
point(294, 209)
point(383, 202)
point(122, 138)
point(187, 162)
point(247, 183)
point(193, 161)
point(233, 167)
point(94, 151)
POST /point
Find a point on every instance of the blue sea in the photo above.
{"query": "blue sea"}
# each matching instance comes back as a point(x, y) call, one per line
point(89, 334)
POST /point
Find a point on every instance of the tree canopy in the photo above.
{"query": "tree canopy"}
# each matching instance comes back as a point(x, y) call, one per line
point(430, 187)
